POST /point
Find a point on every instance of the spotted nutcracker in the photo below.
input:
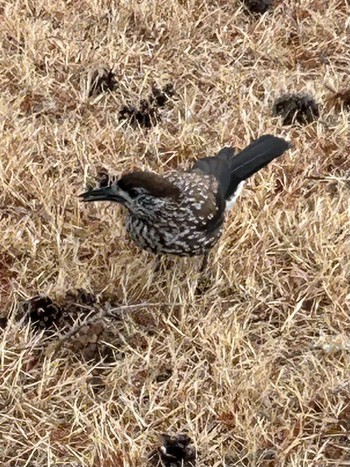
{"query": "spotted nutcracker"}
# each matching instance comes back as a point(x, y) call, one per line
point(182, 212)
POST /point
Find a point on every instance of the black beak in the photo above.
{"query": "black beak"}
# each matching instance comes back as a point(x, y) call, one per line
point(101, 194)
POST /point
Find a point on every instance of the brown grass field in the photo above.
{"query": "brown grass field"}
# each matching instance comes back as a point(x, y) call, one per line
point(252, 360)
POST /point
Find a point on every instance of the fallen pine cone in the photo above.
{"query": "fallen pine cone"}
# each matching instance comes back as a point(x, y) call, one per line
point(300, 108)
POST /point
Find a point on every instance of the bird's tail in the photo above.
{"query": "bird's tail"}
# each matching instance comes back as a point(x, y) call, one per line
point(253, 158)
point(231, 170)
point(257, 155)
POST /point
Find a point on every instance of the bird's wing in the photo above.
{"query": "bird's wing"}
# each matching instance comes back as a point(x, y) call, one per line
point(212, 211)
point(220, 167)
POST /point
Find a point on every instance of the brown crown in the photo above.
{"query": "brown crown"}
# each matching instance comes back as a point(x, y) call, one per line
point(155, 184)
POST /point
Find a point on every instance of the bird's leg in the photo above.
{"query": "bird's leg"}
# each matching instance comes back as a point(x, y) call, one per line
point(204, 262)
point(162, 267)
point(204, 280)
point(158, 264)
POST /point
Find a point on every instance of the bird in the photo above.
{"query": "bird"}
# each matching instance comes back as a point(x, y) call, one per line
point(182, 212)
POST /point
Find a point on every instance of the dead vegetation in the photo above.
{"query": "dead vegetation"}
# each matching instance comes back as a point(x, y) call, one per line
point(252, 361)
point(97, 81)
point(339, 99)
point(148, 113)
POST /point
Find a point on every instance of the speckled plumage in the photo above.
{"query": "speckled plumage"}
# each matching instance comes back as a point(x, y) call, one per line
point(182, 213)
point(179, 226)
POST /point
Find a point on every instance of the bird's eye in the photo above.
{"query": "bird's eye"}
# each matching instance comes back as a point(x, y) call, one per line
point(133, 193)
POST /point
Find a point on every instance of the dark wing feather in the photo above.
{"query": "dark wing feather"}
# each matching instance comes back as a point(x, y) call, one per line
point(219, 166)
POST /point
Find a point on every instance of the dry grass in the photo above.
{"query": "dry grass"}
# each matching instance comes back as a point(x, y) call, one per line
point(257, 363)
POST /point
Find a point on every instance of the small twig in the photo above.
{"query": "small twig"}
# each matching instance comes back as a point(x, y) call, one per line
point(78, 327)
point(328, 179)
point(330, 88)
point(113, 311)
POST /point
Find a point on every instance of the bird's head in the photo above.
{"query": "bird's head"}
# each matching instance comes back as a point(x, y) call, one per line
point(142, 193)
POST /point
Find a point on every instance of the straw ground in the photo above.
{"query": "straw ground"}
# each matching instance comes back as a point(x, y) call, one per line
point(251, 361)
